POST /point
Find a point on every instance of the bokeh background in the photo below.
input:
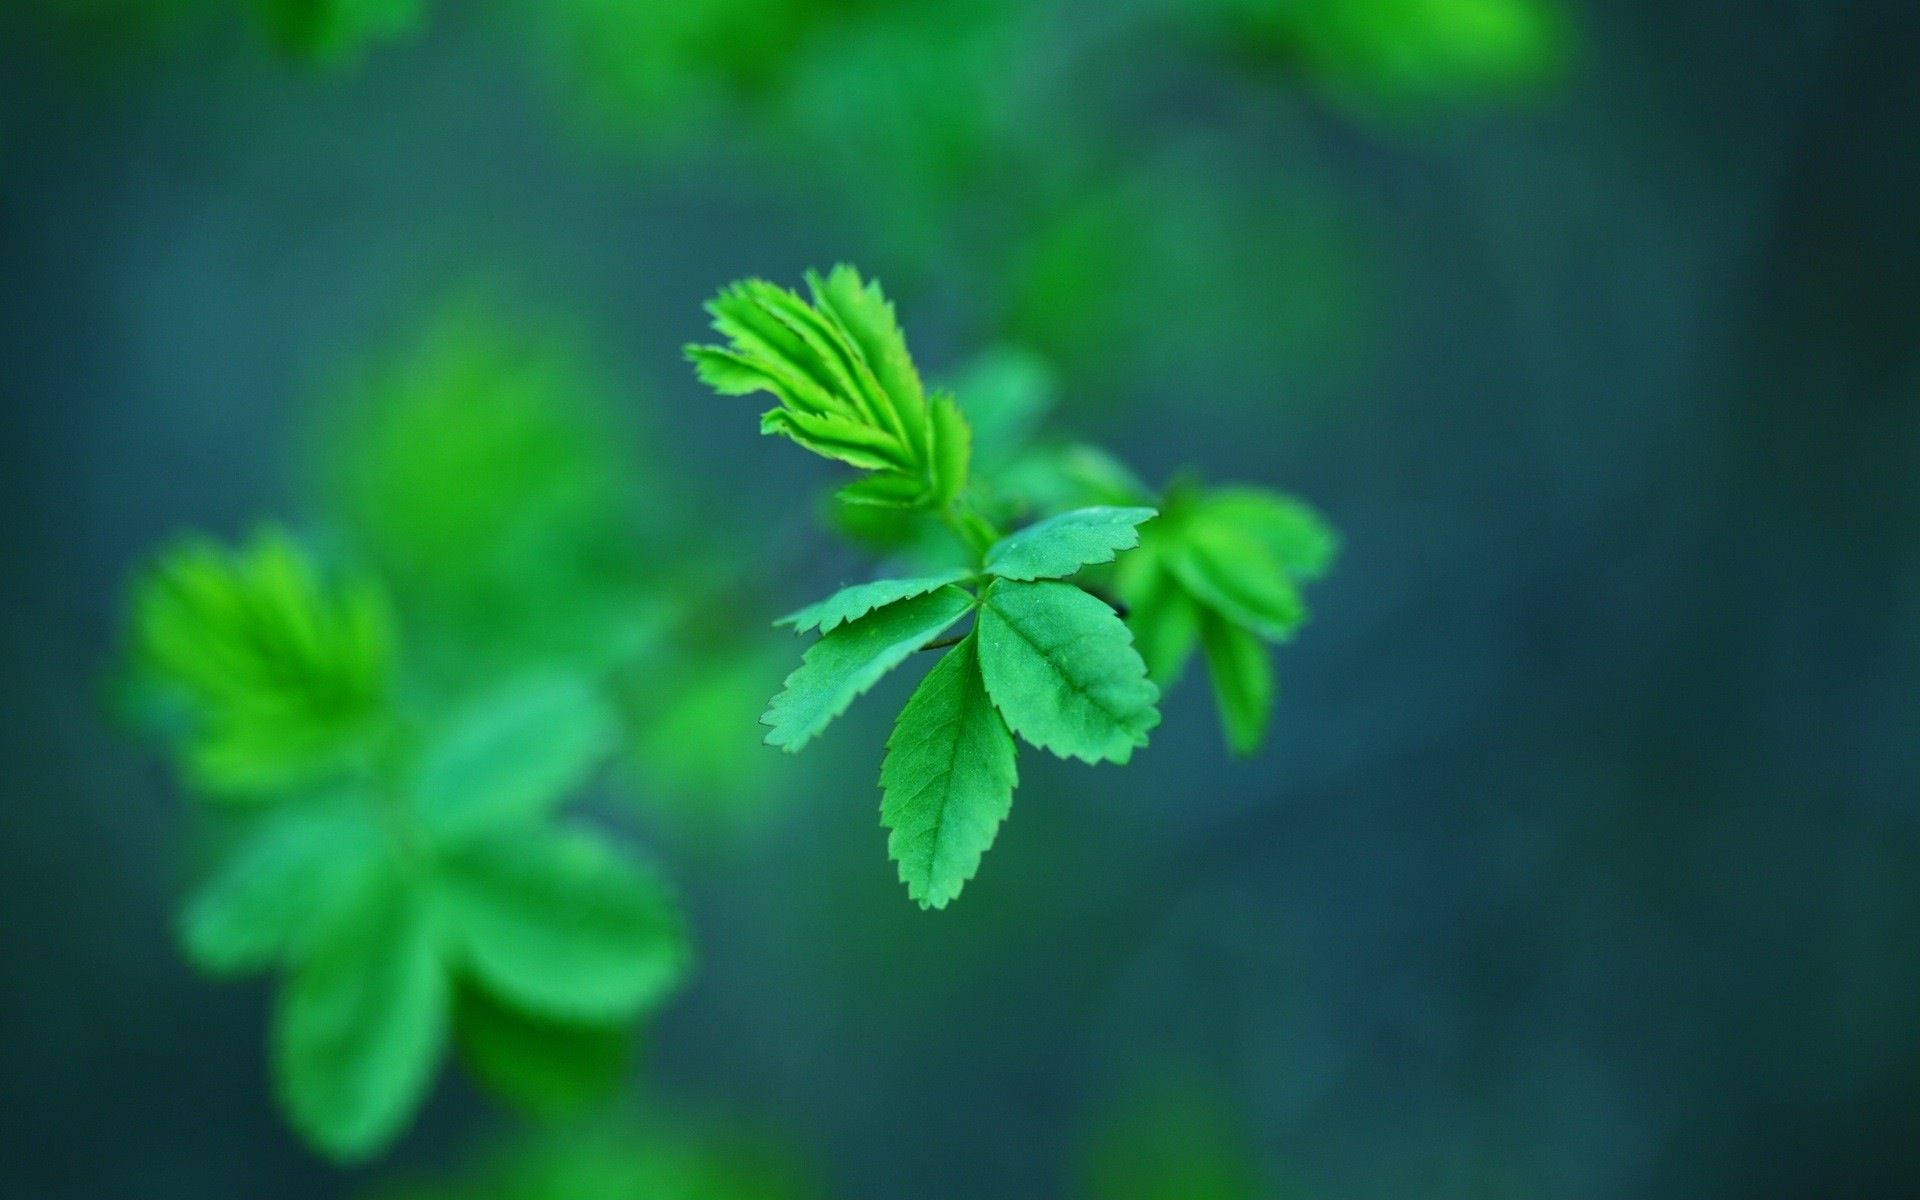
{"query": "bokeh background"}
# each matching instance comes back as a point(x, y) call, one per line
point(1581, 861)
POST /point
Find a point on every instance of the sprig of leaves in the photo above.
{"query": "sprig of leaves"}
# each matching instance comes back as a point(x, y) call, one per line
point(1050, 658)
point(847, 387)
point(419, 890)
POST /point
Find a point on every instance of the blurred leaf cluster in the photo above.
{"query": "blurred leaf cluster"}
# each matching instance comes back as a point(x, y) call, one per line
point(629, 1156)
point(386, 719)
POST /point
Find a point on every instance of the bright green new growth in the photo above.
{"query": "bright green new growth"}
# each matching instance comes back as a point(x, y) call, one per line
point(276, 676)
point(408, 881)
point(1050, 658)
point(847, 388)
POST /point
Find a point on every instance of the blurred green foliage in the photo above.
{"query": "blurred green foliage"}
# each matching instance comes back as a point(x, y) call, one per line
point(329, 30)
point(1402, 55)
point(650, 1156)
point(397, 859)
point(268, 676)
point(1172, 1137)
point(497, 619)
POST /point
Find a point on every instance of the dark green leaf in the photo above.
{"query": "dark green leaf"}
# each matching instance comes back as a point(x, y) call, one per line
point(845, 663)
point(557, 922)
point(1062, 669)
point(1059, 546)
point(948, 779)
point(551, 1069)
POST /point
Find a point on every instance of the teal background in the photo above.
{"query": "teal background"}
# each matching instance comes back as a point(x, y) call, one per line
point(1581, 861)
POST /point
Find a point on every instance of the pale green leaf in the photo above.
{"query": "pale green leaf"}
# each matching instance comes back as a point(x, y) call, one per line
point(948, 779)
point(845, 663)
point(952, 451)
point(1059, 546)
point(1294, 535)
point(281, 675)
point(1062, 669)
point(1233, 574)
point(362, 1021)
point(851, 603)
point(517, 753)
point(559, 923)
point(551, 1069)
point(1164, 619)
point(1242, 680)
point(262, 901)
point(847, 387)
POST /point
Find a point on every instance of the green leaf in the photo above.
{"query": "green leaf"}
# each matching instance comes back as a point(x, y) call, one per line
point(551, 1069)
point(362, 1021)
point(515, 754)
point(847, 387)
point(1059, 546)
point(845, 663)
point(1242, 680)
point(261, 902)
point(1233, 574)
point(1302, 544)
point(1164, 619)
point(557, 922)
point(948, 779)
point(851, 603)
point(281, 677)
point(1062, 669)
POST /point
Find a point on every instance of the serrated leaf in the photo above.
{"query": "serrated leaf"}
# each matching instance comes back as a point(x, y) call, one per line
point(1060, 545)
point(1294, 535)
point(1062, 669)
point(515, 754)
point(948, 779)
point(262, 901)
point(845, 663)
point(851, 603)
point(1242, 680)
point(362, 1022)
point(1234, 575)
point(847, 387)
point(550, 1069)
point(559, 923)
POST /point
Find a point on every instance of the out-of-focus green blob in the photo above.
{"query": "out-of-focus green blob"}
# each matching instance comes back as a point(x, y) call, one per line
point(629, 1158)
point(333, 30)
point(273, 675)
point(479, 467)
point(1184, 258)
point(658, 73)
point(1404, 54)
point(1173, 1138)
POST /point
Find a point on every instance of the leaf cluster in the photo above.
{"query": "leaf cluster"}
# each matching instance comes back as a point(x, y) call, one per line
point(1049, 658)
point(418, 893)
